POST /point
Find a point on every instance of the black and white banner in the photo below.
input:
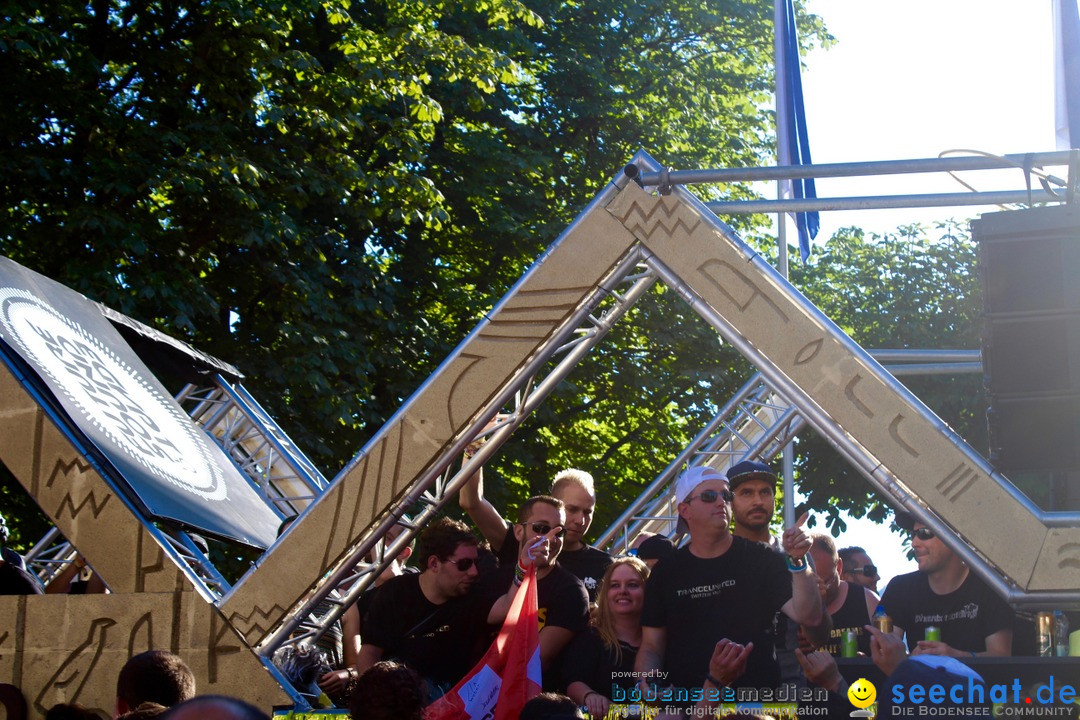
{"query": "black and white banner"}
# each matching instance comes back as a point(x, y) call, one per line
point(169, 463)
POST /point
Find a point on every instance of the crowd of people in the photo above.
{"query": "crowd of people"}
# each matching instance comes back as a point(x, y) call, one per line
point(683, 625)
point(682, 622)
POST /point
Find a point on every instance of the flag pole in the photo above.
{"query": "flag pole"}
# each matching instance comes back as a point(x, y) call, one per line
point(783, 157)
point(783, 148)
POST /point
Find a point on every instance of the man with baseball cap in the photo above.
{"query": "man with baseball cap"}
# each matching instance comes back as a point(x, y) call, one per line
point(753, 486)
point(708, 616)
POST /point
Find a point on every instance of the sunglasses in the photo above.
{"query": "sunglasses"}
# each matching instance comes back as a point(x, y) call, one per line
point(710, 496)
point(462, 564)
point(924, 533)
point(868, 571)
point(543, 529)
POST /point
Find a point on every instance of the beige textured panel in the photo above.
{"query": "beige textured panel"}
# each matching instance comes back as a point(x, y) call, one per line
point(76, 499)
point(555, 288)
point(855, 396)
point(74, 646)
point(1060, 558)
point(11, 615)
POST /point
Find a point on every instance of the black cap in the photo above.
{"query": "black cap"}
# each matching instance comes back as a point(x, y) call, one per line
point(905, 520)
point(740, 472)
point(656, 547)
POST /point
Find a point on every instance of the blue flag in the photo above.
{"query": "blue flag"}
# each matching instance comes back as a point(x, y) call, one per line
point(792, 121)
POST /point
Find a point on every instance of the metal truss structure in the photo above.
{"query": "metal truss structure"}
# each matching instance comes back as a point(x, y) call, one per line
point(644, 227)
point(763, 416)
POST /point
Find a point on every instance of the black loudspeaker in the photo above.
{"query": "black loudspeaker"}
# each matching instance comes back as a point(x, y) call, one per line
point(1029, 262)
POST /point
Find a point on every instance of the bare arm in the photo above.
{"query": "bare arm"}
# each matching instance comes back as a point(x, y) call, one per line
point(350, 641)
point(487, 519)
point(804, 607)
point(552, 642)
point(501, 606)
point(62, 582)
point(650, 657)
point(872, 600)
point(369, 655)
point(818, 634)
point(585, 696)
point(999, 644)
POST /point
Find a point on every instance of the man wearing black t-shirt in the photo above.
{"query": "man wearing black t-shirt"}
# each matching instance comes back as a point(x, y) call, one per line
point(718, 596)
point(430, 621)
point(944, 593)
point(561, 598)
point(574, 488)
point(753, 487)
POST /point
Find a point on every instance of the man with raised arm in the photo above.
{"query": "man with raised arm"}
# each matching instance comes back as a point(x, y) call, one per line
point(574, 488)
point(753, 504)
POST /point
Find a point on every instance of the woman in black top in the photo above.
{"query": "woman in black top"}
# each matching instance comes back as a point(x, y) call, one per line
point(602, 658)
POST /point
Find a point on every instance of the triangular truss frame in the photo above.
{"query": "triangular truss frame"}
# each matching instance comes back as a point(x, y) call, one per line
point(811, 373)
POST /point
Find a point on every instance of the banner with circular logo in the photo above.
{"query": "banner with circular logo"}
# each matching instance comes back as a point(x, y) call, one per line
point(169, 463)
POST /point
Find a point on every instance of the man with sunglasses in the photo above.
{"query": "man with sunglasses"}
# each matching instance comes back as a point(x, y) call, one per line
point(563, 603)
point(944, 593)
point(574, 488)
point(432, 621)
point(858, 568)
point(709, 608)
point(849, 606)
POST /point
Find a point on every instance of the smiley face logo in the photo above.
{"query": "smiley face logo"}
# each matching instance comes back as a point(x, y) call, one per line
point(862, 693)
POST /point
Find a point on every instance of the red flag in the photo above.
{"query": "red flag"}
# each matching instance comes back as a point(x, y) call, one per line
point(509, 673)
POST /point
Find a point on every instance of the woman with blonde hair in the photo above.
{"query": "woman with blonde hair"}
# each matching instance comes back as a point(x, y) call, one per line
point(603, 657)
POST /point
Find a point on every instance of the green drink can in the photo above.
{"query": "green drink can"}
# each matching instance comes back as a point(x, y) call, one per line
point(932, 634)
point(849, 648)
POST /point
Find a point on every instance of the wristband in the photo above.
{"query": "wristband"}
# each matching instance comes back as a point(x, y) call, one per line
point(586, 698)
point(714, 681)
point(520, 572)
point(795, 564)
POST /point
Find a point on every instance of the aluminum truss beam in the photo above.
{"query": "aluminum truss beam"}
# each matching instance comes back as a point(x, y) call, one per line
point(666, 178)
point(357, 572)
point(283, 475)
point(756, 417)
point(973, 468)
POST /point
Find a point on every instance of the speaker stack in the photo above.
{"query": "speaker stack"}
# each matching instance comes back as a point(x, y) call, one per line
point(1029, 262)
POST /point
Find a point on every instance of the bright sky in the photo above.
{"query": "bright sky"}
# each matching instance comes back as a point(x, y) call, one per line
point(912, 79)
point(909, 80)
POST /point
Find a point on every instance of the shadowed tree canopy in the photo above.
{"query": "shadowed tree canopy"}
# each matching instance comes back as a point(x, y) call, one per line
point(329, 195)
